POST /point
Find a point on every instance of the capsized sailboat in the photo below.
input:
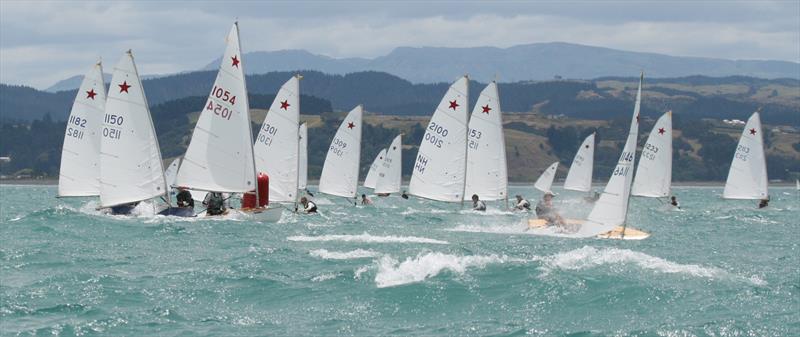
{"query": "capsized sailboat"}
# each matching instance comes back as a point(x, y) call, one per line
point(340, 171)
point(79, 175)
point(654, 173)
point(390, 173)
point(220, 154)
point(440, 167)
point(545, 181)
point(579, 177)
point(747, 177)
point(487, 174)
point(372, 174)
point(131, 169)
point(608, 216)
point(277, 146)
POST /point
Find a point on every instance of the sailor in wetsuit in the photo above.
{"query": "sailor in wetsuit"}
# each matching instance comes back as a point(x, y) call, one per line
point(185, 198)
point(308, 205)
point(546, 211)
point(522, 204)
point(215, 203)
point(477, 204)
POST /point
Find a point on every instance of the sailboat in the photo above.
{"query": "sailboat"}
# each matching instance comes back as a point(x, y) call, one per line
point(302, 174)
point(171, 173)
point(79, 175)
point(372, 174)
point(545, 181)
point(131, 169)
point(654, 173)
point(220, 154)
point(390, 173)
point(277, 146)
point(747, 177)
point(487, 174)
point(608, 217)
point(440, 167)
point(340, 171)
point(579, 177)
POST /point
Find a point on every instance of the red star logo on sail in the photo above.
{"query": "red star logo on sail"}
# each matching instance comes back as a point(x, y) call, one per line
point(91, 94)
point(124, 86)
point(753, 131)
point(350, 125)
point(587, 146)
point(486, 109)
point(661, 131)
point(285, 105)
point(453, 105)
point(235, 61)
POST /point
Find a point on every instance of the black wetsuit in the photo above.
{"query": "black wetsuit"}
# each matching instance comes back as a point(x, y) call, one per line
point(185, 199)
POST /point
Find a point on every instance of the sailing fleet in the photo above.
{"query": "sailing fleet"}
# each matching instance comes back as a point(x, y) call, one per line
point(111, 151)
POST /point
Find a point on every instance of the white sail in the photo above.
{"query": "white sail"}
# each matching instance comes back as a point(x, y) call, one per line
point(747, 178)
point(172, 171)
point(440, 168)
point(302, 174)
point(545, 181)
point(390, 173)
point(340, 170)
point(130, 159)
point(487, 174)
point(220, 155)
point(277, 145)
point(797, 184)
point(579, 177)
point(611, 209)
point(654, 173)
point(372, 174)
point(80, 156)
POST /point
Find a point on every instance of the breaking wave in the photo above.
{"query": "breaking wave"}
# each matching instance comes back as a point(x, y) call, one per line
point(366, 237)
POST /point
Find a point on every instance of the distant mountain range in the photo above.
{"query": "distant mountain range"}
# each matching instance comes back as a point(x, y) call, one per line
point(537, 61)
point(382, 93)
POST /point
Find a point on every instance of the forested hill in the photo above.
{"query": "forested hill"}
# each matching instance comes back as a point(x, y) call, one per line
point(381, 93)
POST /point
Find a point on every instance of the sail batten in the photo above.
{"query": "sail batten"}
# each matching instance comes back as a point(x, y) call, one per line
point(747, 177)
point(440, 167)
point(340, 171)
point(79, 174)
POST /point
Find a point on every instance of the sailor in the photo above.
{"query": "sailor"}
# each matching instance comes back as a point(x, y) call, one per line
point(522, 204)
point(185, 198)
point(546, 211)
point(215, 203)
point(404, 195)
point(477, 204)
point(308, 205)
point(365, 200)
point(764, 203)
point(674, 202)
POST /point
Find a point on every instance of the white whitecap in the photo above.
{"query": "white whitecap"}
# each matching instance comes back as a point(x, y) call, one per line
point(366, 237)
point(393, 273)
point(353, 254)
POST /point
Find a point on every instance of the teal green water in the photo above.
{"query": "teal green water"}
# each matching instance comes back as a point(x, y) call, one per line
point(405, 268)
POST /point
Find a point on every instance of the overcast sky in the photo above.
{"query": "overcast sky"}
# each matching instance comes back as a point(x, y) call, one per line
point(43, 42)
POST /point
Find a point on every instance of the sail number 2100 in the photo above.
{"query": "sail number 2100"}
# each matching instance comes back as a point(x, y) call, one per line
point(436, 137)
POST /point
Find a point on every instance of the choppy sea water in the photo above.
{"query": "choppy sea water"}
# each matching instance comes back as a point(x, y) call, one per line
point(400, 267)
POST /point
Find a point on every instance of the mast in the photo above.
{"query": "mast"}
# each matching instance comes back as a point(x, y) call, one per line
point(155, 135)
point(637, 106)
point(247, 117)
point(297, 166)
point(502, 140)
point(466, 143)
